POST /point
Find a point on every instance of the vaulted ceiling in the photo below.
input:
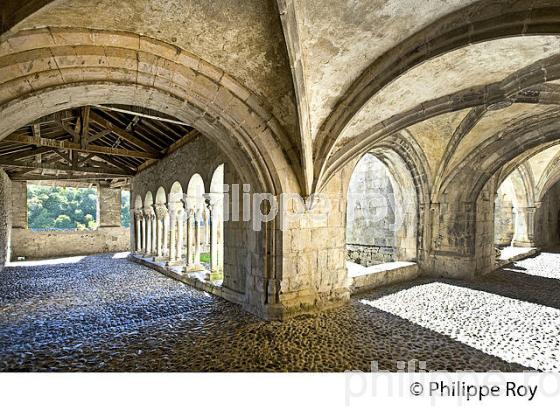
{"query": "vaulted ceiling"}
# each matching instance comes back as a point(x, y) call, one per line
point(340, 76)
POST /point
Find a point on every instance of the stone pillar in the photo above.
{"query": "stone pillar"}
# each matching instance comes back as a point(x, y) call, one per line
point(207, 228)
point(503, 226)
point(138, 231)
point(161, 213)
point(212, 223)
point(172, 233)
point(524, 226)
point(197, 238)
point(154, 233)
point(148, 212)
point(219, 240)
point(143, 229)
point(109, 210)
point(165, 245)
point(19, 204)
point(189, 239)
point(180, 233)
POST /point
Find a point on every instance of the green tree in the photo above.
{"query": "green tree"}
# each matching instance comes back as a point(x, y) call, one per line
point(125, 209)
point(61, 208)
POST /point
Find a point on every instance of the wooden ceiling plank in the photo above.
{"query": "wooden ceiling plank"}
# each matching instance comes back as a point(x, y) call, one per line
point(43, 142)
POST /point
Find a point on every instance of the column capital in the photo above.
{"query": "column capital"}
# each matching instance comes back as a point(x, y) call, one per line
point(161, 211)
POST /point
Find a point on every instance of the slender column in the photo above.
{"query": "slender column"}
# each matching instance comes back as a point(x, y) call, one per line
point(138, 230)
point(207, 228)
point(148, 221)
point(524, 226)
point(189, 240)
point(161, 213)
point(197, 238)
point(220, 239)
point(172, 233)
point(166, 234)
point(213, 237)
point(143, 224)
point(180, 228)
point(154, 233)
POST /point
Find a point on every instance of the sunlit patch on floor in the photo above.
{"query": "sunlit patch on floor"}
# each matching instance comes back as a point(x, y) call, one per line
point(121, 255)
point(514, 330)
point(56, 261)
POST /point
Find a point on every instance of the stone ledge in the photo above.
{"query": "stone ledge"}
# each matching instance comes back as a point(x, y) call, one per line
point(516, 254)
point(364, 279)
point(193, 279)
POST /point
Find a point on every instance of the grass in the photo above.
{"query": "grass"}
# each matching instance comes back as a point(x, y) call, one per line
point(205, 257)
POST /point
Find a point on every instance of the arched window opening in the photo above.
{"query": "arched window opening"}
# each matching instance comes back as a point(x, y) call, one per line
point(382, 215)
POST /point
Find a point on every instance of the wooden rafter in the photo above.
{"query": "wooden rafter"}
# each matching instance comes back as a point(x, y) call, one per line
point(66, 145)
point(60, 167)
point(108, 125)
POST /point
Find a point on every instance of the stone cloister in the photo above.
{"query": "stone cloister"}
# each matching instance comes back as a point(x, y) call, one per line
point(177, 230)
point(288, 156)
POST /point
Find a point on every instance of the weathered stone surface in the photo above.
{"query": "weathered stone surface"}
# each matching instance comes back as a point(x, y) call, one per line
point(5, 217)
point(110, 314)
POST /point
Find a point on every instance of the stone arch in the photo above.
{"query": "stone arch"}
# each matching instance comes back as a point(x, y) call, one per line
point(195, 188)
point(148, 200)
point(176, 192)
point(406, 168)
point(161, 197)
point(485, 161)
point(82, 67)
point(217, 181)
point(528, 79)
point(486, 21)
point(138, 203)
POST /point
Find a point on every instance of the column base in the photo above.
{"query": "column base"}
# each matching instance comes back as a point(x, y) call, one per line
point(523, 244)
point(174, 263)
point(193, 268)
point(159, 259)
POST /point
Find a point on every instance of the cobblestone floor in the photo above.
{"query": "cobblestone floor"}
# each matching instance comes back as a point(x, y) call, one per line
point(98, 313)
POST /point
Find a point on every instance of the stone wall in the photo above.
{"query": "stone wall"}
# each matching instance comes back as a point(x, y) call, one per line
point(371, 205)
point(462, 235)
point(30, 244)
point(368, 255)
point(50, 244)
point(5, 218)
point(382, 214)
point(504, 220)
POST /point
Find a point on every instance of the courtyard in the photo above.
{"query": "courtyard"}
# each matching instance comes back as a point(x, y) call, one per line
point(107, 313)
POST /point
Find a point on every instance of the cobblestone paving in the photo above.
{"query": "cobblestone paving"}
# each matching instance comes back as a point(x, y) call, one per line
point(105, 314)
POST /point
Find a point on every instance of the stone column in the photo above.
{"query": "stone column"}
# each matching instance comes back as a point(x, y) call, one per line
point(148, 211)
point(211, 228)
point(524, 226)
point(207, 234)
point(161, 213)
point(109, 211)
point(143, 227)
point(503, 225)
point(138, 231)
point(197, 238)
point(189, 239)
point(180, 229)
point(166, 224)
point(154, 233)
point(219, 239)
point(172, 233)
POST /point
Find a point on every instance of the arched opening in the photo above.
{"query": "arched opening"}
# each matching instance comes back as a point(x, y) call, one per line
point(215, 221)
point(382, 217)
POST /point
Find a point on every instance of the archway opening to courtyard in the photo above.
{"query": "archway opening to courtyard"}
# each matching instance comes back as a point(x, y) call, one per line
point(382, 221)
